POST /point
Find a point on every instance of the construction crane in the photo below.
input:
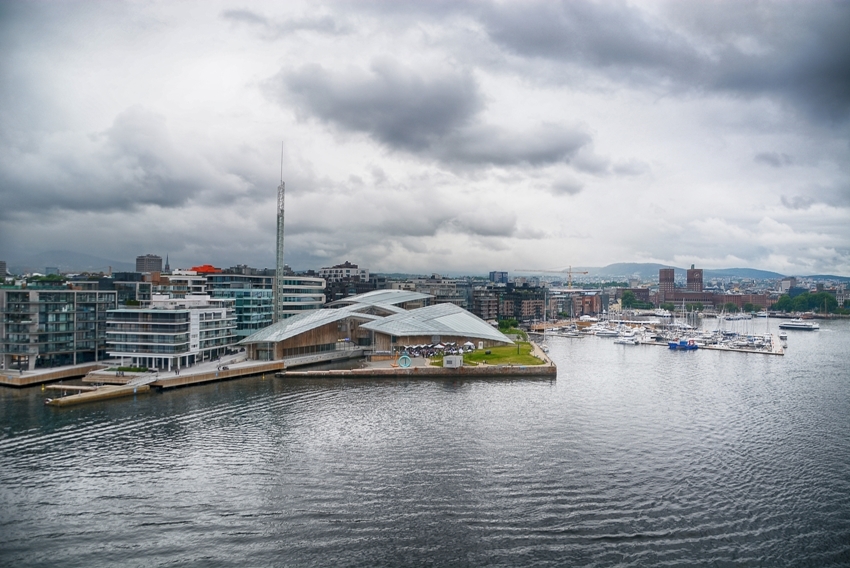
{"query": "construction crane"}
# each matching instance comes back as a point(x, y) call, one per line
point(569, 271)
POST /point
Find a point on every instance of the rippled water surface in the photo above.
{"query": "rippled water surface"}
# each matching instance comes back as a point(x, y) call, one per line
point(634, 456)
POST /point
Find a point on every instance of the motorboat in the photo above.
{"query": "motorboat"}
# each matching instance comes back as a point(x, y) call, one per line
point(683, 345)
point(607, 332)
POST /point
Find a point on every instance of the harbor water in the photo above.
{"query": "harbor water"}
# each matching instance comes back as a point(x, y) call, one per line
point(633, 456)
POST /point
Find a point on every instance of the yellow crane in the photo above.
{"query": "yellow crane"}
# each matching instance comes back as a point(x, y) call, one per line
point(569, 271)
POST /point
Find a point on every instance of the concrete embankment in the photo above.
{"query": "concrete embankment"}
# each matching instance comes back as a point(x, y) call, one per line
point(11, 378)
point(388, 369)
point(102, 393)
point(235, 371)
point(479, 372)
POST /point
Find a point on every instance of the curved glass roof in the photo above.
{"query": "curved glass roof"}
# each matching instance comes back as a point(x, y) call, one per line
point(290, 327)
point(441, 319)
point(378, 297)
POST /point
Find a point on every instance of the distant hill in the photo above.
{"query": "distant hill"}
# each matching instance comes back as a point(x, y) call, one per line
point(643, 270)
point(742, 273)
point(828, 277)
point(649, 271)
point(68, 261)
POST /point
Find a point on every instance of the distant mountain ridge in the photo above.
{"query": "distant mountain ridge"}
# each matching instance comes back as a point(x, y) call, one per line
point(68, 261)
point(649, 271)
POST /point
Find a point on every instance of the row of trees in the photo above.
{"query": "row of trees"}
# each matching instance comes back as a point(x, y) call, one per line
point(822, 302)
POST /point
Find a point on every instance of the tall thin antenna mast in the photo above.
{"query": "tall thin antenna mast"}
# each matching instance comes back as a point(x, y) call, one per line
point(278, 279)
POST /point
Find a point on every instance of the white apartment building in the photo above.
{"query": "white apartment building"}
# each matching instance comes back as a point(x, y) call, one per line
point(344, 271)
point(172, 332)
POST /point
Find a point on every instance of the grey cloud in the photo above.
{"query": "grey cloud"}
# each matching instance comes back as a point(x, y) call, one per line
point(484, 144)
point(245, 16)
point(566, 187)
point(797, 202)
point(837, 196)
point(589, 162)
point(431, 115)
point(485, 224)
point(272, 30)
point(775, 159)
point(630, 168)
point(611, 35)
point(134, 163)
point(395, 105)
point(786, 52)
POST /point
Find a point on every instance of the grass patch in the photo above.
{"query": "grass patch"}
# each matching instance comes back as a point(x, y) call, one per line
point(515, 331)
point(519, 354)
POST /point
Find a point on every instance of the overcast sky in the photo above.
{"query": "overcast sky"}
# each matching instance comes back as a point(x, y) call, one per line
point(429, 136)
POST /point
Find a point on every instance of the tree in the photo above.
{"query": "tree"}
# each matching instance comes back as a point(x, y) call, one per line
point(507, 323)
point(824, 302)
point(628, 299)
point(784, 303)
point(669, 306)
point(748, 307)
point(730, 307)
point(800, 303)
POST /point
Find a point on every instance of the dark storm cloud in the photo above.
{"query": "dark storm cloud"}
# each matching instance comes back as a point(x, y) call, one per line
point(775, 159)
point(395, 105)
point(276, 30)
point(435, 115)
point(789, 51)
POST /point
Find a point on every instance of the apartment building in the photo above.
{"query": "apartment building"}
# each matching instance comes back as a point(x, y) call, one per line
point(51, 326)
point(172, 333)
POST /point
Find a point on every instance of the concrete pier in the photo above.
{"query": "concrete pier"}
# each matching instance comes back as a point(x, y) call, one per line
point(101, 393)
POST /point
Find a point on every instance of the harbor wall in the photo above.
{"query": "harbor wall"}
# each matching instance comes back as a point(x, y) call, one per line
point(480, 372)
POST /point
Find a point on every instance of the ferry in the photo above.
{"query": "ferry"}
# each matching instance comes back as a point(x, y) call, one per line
point(797, 323)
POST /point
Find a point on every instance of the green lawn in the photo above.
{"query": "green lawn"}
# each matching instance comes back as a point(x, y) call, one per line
point(505, 355)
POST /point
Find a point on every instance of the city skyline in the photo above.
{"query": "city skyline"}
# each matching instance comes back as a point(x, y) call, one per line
point(429, 137)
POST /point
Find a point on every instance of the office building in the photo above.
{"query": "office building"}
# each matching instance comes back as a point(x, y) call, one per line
point(149, 263)
point(299, 294)
point(251, 290)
